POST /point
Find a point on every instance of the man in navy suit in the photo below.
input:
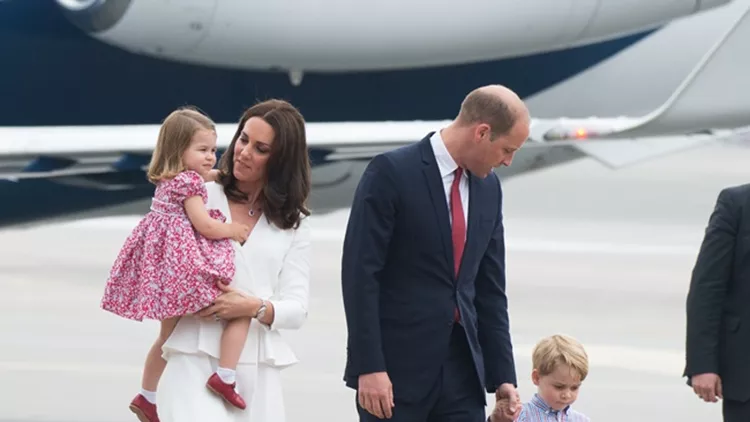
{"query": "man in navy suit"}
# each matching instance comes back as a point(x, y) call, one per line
point(423, 271)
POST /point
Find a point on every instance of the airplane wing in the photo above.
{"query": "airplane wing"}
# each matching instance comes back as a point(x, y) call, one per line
point(48, 172)
point(90, 152)
point(57, 152)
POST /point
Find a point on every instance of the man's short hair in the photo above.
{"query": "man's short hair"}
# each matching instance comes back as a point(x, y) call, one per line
point(485, 107)
point(557, 350)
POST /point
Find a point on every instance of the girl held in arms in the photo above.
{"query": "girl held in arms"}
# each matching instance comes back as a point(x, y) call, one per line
point(177, 258)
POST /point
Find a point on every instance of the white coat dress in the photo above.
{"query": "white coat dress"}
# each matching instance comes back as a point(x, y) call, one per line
point(273, 264)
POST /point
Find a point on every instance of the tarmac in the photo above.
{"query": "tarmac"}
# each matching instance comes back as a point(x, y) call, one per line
point(603, 255)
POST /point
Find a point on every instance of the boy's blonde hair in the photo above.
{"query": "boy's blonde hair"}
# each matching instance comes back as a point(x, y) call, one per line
point(560, 349)
point(175, 135)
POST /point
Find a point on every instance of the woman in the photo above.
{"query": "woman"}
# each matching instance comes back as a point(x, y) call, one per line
point(264, 182)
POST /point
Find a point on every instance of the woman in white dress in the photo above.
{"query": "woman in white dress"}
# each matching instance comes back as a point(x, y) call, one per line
point(264, 183)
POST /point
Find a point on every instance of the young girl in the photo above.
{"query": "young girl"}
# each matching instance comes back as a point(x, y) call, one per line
point(171, 262)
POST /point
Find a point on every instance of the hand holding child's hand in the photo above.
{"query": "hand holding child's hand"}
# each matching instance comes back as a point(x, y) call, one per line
point(240, 232)
point(501, 412)
point(507, 404)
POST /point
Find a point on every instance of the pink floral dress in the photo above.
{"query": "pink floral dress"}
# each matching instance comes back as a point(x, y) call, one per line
point(166, 268)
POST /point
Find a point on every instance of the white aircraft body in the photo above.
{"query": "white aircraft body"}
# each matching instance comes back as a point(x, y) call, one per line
point(356, 35)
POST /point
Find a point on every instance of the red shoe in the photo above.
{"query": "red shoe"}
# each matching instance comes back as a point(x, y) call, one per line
point(225, 391)
point(144, 409)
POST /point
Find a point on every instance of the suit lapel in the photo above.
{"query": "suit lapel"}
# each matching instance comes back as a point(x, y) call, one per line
point(434, 182)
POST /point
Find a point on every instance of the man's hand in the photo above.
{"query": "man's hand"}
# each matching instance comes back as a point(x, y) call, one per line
point(707, 387)
point(375, 394)
point(507, 404)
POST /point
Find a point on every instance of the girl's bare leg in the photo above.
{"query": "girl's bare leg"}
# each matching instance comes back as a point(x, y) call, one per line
point(232, 342)
point(155, 365)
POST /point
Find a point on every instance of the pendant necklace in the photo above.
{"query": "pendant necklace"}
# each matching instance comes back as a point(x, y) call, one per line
point(252, 209)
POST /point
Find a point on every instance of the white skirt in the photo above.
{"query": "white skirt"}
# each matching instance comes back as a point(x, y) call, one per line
point(183, 396)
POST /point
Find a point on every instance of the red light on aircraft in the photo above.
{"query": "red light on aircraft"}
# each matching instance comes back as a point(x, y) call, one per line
point(581, 133)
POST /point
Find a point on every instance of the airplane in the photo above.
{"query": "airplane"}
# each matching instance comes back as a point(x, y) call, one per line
point(63, 169)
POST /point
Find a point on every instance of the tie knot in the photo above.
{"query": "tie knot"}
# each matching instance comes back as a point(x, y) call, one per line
point(457, 177)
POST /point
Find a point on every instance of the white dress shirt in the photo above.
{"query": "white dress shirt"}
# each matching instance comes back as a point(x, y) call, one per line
point(447, 167)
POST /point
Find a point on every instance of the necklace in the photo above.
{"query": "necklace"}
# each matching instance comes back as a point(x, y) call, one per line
point(253, 208)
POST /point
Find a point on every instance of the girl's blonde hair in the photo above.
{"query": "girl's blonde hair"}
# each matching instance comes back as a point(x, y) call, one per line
point(175, 135)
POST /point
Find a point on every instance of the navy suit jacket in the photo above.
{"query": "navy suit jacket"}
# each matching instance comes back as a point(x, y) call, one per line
point(398, 281)
point(717, 302)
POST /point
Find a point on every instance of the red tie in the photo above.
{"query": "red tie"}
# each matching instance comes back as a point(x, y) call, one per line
point(458, 229)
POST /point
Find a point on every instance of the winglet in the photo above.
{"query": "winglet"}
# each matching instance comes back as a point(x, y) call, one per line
point(714, 95)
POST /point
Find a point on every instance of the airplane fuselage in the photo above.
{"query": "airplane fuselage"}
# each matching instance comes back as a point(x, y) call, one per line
point(362, 35)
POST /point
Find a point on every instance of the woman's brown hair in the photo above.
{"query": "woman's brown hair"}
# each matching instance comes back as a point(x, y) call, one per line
point(175, 135)
point(288, 170)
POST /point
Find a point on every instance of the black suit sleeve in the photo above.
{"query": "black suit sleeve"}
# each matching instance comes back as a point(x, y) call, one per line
point(492, 309)
point(708, 287)
point(368, 235)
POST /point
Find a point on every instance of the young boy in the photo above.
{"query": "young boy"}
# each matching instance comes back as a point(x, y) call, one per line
point(560, 365)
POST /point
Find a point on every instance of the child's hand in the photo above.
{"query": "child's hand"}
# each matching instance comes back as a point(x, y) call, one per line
point(240, 232)
point(502, 412)
point(212, 176)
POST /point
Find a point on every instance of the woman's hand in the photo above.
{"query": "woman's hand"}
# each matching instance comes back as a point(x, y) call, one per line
point(231, 304)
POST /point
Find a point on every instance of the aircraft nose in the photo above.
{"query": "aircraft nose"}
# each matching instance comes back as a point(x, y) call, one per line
point(94, 16)
point(710, 4)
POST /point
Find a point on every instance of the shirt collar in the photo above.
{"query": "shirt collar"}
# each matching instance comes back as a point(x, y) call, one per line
point(541, 404)
point(445, 162)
